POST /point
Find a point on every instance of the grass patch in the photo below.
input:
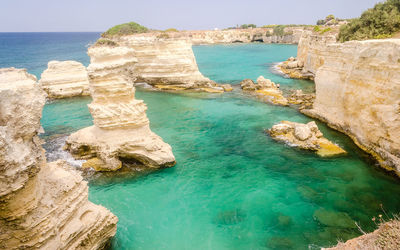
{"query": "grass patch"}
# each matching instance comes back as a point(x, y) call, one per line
point(125, 29)
point(106, 42)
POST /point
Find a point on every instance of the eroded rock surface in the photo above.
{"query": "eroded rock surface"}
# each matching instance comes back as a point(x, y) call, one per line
point(42, 205)
point(65, 79)
point(385, 237)
point(121, 131)
point(266, 89)
point(358, 93)
point(305, 136)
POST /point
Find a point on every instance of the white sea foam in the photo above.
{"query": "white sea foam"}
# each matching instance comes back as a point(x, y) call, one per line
point(54, 151)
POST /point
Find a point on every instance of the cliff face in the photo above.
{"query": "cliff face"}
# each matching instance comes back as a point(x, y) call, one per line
point(358, 92)
point(311, 51)
point(121, 132)
point(65, 79)
point(162, 61)
point(42, 205)
point(292, 36)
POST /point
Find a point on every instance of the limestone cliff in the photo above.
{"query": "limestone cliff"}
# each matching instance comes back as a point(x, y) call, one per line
point(65, 79)
point(42, 205)
point(121, 131)
point(265, 35)
point(358, 92)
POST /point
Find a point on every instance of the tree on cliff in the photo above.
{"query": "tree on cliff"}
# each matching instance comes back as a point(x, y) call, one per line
point(382, 21)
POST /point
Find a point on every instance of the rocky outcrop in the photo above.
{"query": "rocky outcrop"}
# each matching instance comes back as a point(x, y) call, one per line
point(305, 101)
point(358, 93)
point(385, 237)
point(265, 89)
point(121, 132)
point(42, 205)
point(305, 136)
point(310, 55)
point(166, 64)
point(65, 79)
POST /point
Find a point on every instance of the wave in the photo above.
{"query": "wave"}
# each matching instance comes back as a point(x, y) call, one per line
point(54, 151)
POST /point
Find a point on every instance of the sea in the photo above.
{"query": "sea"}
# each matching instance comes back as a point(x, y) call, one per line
point(233, 187)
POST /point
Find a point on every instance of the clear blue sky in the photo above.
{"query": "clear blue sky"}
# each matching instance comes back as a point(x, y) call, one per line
point(98, 15)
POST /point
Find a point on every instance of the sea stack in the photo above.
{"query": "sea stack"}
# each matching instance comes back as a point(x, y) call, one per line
point(42, 205)
point(305, 136)
point(121, 131)
point(65, 79)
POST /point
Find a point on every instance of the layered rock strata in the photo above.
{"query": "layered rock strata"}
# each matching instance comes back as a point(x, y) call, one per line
point(121, 131)
point(266, 89)
point(42, 205)
point(166, 64)
point(305, 101)
point(305, 136)
point(358, 93)
point(65, 79)
point(310, 55)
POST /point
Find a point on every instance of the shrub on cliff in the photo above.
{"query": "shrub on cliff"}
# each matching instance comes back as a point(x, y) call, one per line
point(106, 42)
point(171, 30)
point(382, 21)
point(125, 29)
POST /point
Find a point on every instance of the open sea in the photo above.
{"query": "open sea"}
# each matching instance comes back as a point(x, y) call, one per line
point(233, 187)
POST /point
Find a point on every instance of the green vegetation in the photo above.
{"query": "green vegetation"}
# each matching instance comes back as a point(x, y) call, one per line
point(248, 26)
point(321, 31)
point(125, 29)
point(382, 21)
point(171, 30)
point(163, 35)
point(106, 42)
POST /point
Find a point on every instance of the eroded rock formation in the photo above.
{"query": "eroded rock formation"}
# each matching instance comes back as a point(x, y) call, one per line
point(42, 205)
point(305, 136)
point(358, 93)
point(121, 131)
point(164, 63)
point(266, 89)
point(65, 79)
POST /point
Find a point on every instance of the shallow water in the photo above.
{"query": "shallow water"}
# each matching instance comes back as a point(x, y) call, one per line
point(234, 187)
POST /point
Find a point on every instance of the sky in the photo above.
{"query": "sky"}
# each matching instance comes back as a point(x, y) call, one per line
point(99, 15)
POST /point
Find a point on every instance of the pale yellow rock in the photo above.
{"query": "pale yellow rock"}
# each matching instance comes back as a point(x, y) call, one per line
point(42, 205)
point(121, 129)
point(65, 79)
point(358, 92)
point(266, 89)
point(292, 36)
point(305, 136)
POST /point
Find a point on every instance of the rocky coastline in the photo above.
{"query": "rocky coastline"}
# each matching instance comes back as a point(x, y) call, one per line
point(42, 205)
point(121, 131)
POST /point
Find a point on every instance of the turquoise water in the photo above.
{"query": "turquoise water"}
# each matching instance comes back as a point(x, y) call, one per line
point(234, 187)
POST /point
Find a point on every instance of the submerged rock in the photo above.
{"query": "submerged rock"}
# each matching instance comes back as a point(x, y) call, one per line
point(334, 219)
point(65, 79)
point(266, 89)
point(121, 130)
point(278, 242)
point(42, 205)
point(305, 136)
point(230, 217)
